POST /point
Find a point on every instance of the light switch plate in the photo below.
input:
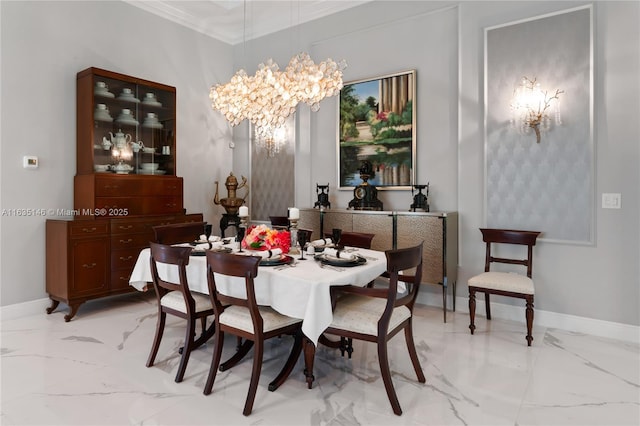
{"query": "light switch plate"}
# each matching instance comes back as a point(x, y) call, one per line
point(611, 200)
point(30, 162)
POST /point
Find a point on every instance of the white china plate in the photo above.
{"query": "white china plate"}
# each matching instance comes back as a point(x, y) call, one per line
point(152, 103)
point(128, 99)
point(104, 94)
point(127, 121)
point(151, 172)
point(152, 125)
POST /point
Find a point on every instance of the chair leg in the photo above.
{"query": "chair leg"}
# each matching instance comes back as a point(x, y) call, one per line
point(411, 347)
point(487, 305)
point(186, 351)
point(529, 316)
point(444, 303)
point(158, 337)
point(215, 361)
point(241, 352)
point(255, 376)
point(383, 359)
point(472, 310)
point(296, 349)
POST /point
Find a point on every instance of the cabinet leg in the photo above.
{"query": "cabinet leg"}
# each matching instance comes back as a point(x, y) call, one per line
point(54, 305)
point(73, 309)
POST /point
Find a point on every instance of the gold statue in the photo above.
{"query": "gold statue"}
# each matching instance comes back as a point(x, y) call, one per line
point(232, 203)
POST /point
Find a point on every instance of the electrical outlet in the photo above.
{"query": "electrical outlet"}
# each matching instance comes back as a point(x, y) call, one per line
point(611, 201)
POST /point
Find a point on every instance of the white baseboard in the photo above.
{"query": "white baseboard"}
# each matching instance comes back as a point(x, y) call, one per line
point(19, 310)
point(595, 327)
point(548, 319)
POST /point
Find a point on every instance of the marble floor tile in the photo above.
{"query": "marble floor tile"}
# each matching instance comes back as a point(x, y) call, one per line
point(91, 371)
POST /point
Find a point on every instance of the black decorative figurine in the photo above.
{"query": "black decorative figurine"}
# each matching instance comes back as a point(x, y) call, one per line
point(420, 200)
point(365, 195)
point(323, 197)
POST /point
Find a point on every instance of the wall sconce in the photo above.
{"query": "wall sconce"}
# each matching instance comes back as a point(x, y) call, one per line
point(530, 105)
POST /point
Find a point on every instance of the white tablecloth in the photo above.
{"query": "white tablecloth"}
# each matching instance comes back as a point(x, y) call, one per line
point(300, 292)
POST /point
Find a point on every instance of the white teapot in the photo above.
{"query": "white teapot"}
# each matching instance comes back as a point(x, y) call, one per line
point(120, 140)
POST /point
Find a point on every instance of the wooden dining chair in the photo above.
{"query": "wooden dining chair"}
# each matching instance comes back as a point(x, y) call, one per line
point(175, 298)
point(243, 317)
point(354, 239)
point(377, 314)
point(179, 232)
point(505, 283)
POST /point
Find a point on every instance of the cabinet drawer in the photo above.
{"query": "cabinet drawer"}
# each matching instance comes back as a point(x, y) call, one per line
point(120, 280)
point(119, 206)
point(124, 259)
point(133, 186)
point(128, 241)
point(88, 228)
point(118, 186)
point(128, 227)
point(162, 205)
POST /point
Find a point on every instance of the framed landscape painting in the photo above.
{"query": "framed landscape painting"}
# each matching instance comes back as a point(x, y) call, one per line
point(377, 123)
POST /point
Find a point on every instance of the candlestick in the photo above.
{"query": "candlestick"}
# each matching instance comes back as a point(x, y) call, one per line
point(293, 230)
point(242, 230)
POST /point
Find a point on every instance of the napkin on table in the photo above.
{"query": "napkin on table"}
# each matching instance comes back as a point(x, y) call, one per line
point(212, 238)
point(321, 242)
point(340, 254)
point(201, 247)
point(267, 254)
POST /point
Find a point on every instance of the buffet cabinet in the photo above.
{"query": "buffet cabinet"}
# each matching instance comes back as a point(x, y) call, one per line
point(397, 229)
point(125, 184)
point(90, 259)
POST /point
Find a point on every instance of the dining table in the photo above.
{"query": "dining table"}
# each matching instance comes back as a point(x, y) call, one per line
point(296, 288)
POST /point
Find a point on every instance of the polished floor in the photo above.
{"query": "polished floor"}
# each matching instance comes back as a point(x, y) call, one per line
point(91, 371)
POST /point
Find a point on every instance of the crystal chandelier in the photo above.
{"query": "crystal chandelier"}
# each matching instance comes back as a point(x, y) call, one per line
point(529, 106)
point(267, 98)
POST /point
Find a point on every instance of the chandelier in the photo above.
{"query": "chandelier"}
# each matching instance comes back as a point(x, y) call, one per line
point(267, 98)
point(529, 106)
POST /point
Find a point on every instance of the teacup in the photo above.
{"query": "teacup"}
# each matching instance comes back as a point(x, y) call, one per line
point(136, 146)
point(101, 85)
point(152, 116)
point(126, 91)
point(101, 107)
point(125, 111)
point(101, 167)
point(150, 97)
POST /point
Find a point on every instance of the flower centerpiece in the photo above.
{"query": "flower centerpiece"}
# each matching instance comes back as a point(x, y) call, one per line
point(261, 237)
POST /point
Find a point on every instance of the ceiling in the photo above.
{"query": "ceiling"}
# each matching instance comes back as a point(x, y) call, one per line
point(234, 21)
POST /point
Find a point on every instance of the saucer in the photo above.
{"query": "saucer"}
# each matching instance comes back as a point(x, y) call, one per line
point(151, 172)
point(151, 103)
point(127, 120)
point(152, 125)
point(104, 93)
point(102, 117)
point(128, 98)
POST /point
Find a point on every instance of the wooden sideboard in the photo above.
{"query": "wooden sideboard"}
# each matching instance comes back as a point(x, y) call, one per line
point(397, 229)
point(90, 259)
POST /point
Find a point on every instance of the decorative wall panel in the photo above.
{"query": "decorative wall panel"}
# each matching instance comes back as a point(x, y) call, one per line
point(546, 186)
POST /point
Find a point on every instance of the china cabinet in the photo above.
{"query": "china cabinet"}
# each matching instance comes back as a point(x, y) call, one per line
point(396, 229)
point(125, 184)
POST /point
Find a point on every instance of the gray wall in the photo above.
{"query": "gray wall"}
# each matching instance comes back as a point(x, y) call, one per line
point(42, 43)
point(445, 46)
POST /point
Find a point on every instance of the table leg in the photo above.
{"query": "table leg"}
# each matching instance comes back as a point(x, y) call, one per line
point(309, 355)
